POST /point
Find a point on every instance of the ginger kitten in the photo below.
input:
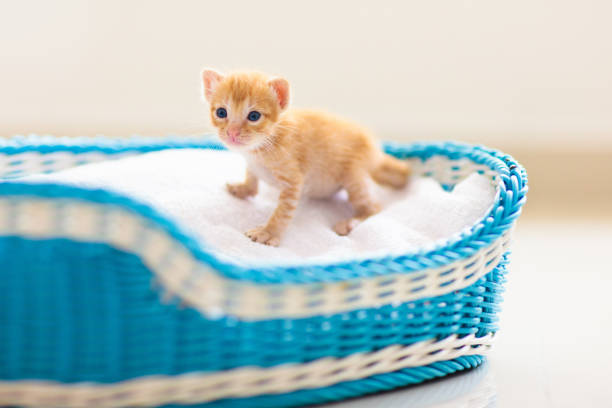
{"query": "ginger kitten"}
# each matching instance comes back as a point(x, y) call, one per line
point(299, 151)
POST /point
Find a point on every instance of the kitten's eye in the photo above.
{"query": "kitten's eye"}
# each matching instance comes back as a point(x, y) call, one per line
point(221, 113)
point(254, 116)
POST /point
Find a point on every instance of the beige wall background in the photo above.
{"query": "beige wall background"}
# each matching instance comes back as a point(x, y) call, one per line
point(406, 68)
point(531, 77)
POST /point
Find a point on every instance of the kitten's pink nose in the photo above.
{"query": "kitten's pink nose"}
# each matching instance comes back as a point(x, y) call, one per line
point(233, 132)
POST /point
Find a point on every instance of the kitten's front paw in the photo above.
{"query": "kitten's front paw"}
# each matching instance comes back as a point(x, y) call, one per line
point(263, 236)
point(240, 190)
point(346, 226)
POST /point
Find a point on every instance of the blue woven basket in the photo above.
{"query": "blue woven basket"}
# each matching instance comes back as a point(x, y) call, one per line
point(104, 302)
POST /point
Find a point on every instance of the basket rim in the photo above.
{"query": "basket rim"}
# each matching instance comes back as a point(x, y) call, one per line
point(510, 198)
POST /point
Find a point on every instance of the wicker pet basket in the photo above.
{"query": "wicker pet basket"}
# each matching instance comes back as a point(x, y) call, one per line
point(104, 302)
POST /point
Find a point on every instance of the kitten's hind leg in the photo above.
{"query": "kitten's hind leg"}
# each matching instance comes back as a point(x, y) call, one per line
point(361, 200)
point(246, 189)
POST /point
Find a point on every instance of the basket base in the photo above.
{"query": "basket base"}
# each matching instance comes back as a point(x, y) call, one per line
point(349, 389)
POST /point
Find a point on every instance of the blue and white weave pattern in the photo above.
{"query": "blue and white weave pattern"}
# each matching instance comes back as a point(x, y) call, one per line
point(105, 302)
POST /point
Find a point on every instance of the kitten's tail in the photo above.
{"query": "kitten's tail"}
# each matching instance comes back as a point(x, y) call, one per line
point(391, 172)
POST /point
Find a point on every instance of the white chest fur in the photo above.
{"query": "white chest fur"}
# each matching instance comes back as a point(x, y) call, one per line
point(256, 166)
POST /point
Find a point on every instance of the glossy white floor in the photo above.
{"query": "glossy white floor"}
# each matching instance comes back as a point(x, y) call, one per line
point(555, 344)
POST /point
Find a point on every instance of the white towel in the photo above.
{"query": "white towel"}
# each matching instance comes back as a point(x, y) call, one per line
point(188, 186)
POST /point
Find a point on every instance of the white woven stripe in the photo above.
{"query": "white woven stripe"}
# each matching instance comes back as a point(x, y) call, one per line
point(28, 163)
point(447, 171)
point(440, 168)
point(181, 275)
point(243, 382)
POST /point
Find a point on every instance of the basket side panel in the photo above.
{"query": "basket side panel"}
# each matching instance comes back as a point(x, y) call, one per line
point(73, 312)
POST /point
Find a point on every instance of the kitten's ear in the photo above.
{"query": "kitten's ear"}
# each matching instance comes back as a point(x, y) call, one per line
point(280, 86)
point(211, 79)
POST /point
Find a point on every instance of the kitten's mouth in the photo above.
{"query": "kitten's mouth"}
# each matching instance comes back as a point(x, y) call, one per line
point(236, 141)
